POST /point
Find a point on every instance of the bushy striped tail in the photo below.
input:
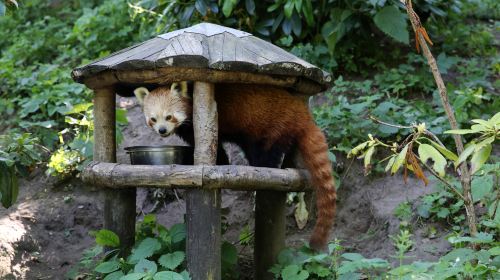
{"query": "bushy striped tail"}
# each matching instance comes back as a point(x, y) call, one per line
point(314, 150)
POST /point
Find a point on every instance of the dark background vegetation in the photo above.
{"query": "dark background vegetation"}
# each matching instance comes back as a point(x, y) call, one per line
point(45, 118)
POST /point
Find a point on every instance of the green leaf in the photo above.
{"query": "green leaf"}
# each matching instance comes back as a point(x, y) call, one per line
point(2, 9)
point(250, 6)
point(495, 251)
point(145, 266)
point(355, 151)
point(318, 269)
point(107, 267)
point(172, 260)
point(479, 158)
point(483, 143)
point(393, 22)
point(481, 237)
point(459, 131)
point(426, 152)
point(185, 275)
point(9, 187)
point(466, 153)
point(288, 8)
point(201, 7)
point(107, 238)
point(443, 213)
point(228, 7)
point(149, 219)
point(133, 276)
point(483, 123)
point(447, 153)
point(229, 253)
point(168, 275)
point(478, 128)
point(390, 163)
point(400, 158)
point(352, 256)
point(307, 11)
point(114, 276)
point(368, 156)
point(481, 186)
point(294, 272)
point(78, 108)
point(121, 116)
point(146, 249)
point(178, 233)
point(495, 119)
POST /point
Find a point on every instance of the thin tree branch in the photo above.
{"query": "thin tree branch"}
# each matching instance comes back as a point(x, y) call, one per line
point(465, 177)
point(375, 120)
point(446, 183)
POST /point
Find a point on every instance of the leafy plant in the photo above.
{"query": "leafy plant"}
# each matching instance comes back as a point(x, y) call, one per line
point(19, 153)
point(158, 253)
point(459, 263)
point(480, 148)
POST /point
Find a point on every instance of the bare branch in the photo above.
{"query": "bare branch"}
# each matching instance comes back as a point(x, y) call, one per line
point(374, 119)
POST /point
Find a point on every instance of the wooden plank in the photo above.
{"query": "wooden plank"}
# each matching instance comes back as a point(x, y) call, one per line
point(235, 177)
point(121, 57)
point(203, 206)
point(144, 59)
point(119, 205)
point(215, 49)
point(193, 44)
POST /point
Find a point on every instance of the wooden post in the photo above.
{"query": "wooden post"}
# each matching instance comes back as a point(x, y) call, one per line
point(203, 206)
point(270, 226)
point(119, 205)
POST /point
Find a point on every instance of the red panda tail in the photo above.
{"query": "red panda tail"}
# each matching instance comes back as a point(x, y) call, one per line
point(314, 150)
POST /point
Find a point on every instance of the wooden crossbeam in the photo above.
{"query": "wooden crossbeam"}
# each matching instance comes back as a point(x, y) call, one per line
point(235, 177)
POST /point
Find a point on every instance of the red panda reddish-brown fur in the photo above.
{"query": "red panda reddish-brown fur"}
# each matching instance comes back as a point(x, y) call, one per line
point(272, 116)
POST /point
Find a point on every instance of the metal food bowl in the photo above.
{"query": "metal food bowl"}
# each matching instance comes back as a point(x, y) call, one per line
point(160, 155)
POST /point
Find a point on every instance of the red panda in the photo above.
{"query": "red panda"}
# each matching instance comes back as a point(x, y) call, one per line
point(265, 122)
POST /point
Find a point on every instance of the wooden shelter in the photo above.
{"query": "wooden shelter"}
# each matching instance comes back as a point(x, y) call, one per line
point(206, 54)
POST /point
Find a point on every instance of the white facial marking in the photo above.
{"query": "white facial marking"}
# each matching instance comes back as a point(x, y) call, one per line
point(180, 116)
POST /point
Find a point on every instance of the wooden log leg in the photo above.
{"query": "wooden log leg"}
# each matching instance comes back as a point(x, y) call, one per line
point(119, 205)
point(270, 225)
point(203, 206)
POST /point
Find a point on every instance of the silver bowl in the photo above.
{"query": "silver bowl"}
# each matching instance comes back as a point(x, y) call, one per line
point(160, 155)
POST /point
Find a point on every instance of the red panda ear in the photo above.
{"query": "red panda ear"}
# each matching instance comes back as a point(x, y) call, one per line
point(141, 93)
point(180, 89)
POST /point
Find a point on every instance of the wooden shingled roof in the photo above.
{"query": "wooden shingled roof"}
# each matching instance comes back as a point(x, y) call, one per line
point(205, 52)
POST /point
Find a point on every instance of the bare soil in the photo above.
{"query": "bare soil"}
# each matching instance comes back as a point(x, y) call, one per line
point(46, 231)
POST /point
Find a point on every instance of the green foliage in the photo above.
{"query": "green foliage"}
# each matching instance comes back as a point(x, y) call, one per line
point(393, 22)
point(287, 22)
point(39, 48)
point(403, 211)
point(443, 205)
point(459, 263)
point(479, 148)
point(158, 253)
point(304, 263)
point(19, 153)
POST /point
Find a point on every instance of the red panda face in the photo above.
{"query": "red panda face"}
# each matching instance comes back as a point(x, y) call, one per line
point(165, 108)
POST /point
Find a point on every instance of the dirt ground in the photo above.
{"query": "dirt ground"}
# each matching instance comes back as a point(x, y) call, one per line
point(46, 231)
